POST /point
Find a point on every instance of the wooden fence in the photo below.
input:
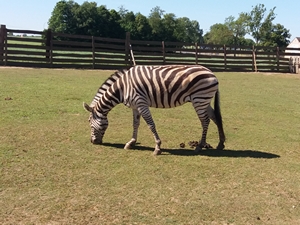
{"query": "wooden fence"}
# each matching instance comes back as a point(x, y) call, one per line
point(27, 48)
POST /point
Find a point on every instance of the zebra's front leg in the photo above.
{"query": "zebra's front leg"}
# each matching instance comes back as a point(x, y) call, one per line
point(145, 112)
point(136, 124)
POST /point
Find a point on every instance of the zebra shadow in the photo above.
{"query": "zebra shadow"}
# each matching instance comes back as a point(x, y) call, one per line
point(230, 153)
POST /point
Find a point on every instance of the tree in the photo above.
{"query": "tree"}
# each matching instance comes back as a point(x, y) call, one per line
point(237, 27)
point(219, 34)
point(155, 21)
point(194, 33)
point(87, 19)
point(246, 42)
point(188, 31)
point(259, 24)
point(127, 22)
point(168, 24)
point(137, 24)
point(277, 36)
point(180, 31)
point(115, 31)
point(144, 30)
point(62, 18)
point(108, 23)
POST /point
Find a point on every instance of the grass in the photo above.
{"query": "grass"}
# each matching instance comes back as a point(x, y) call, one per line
point(51, 174)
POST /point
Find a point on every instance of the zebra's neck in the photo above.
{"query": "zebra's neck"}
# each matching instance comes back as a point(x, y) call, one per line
point(107, 84)
point(109, 99)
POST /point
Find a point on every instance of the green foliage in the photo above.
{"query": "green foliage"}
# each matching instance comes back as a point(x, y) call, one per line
point(263, 30)
point(219, 34)
point(90, 19)
point(155, 21)
point(246, 42)
point(86, 19)
point(62, 19)
point(188, 31)
point(168, 26)
point(143, 27)
point(128, 23)
point(259, 23)
point(237, 27)
point(277, 36)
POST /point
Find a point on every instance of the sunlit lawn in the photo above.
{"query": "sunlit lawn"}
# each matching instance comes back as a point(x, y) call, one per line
point(50, 173)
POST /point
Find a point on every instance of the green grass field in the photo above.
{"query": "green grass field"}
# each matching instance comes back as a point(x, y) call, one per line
point(50, 173)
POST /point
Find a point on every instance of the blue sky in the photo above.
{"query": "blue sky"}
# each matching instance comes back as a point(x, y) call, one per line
point(34, 14)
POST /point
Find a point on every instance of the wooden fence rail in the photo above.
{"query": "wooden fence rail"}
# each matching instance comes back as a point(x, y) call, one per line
point(56, 50)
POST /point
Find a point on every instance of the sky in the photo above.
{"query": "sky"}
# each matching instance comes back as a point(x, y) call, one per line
point(34, 14)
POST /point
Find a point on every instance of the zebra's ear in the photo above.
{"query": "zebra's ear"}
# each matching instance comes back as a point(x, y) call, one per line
point(87, 107)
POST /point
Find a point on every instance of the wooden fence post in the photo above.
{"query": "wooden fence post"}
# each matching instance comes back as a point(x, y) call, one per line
point(225, 60)
point(297, 61)
point(48, 44)
point(291, 65)
point(254, 66)
point(3, 35)
point(93, 51)
point(196, 53)
point(163, 52)
point(277, 58)
point(127, 51)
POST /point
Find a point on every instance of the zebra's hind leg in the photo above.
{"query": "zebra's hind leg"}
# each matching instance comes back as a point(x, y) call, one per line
point(212, 116)
point(202, 113)
point(136, 124)
point(145, 112)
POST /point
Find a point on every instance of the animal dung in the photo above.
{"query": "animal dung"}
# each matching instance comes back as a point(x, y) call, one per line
point(193, 144)
point(8, 98)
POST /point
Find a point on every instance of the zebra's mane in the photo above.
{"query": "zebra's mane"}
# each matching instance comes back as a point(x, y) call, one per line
point(106, 84)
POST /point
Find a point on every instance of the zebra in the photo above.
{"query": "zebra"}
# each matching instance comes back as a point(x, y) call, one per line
point(166, 86)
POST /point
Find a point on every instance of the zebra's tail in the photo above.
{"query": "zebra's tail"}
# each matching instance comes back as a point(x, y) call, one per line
point(218, 115)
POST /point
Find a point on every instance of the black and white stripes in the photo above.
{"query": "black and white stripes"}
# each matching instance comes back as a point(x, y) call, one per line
point(142, 87)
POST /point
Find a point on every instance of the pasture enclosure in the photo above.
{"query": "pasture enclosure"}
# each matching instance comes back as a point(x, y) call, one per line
point(51, 174)
point(57, 50)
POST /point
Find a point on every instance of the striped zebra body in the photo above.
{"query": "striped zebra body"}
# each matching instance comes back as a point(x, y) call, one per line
point(142, 87)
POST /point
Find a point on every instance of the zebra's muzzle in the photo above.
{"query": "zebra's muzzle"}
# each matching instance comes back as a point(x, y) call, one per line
point(96, 141)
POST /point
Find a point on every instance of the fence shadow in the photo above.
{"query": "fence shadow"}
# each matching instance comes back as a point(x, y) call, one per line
point(207, 152)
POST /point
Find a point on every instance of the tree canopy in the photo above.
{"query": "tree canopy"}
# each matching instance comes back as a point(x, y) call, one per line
point(91, 19)
point(256, 23)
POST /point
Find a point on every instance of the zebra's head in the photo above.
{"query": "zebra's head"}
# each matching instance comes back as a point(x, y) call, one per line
point(98, 122)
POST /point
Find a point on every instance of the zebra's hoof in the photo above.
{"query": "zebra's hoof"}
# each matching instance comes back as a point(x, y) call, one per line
point(157, 152)
point(207, 146)
point(200, 146)
point(221, 146)
point(128, 146)
point(198, 149)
